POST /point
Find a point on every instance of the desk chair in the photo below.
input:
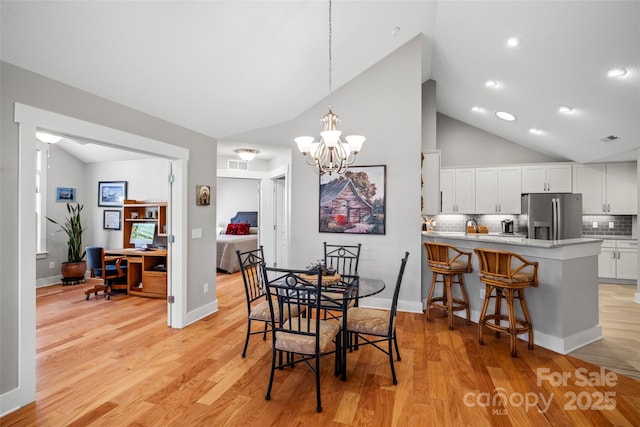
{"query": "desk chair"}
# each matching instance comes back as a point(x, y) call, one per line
point(109, 268)
point(374, 326)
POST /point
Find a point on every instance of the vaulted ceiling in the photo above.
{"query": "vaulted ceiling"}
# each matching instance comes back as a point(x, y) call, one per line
point(224, 68)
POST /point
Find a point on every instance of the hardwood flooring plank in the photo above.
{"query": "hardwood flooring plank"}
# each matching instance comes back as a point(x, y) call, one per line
point(115, 363)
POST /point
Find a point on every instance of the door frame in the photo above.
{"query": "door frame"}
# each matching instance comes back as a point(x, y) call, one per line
point(31, 118)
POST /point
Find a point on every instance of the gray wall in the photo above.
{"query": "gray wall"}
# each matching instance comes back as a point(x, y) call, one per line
point(236, 194)
point(19, 85)
point(64, 170)
point(465, 145)
point(384, 103)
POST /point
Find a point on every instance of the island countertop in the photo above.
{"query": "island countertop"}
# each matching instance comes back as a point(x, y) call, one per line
point(564, 307)
point(509, 239)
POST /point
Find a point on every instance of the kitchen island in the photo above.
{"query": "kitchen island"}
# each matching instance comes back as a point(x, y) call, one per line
point(563, 308)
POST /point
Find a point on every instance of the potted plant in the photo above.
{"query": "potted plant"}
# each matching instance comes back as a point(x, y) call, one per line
point(75, 267)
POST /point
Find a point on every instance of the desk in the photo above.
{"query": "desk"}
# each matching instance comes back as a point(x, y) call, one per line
point(353, 288)
point(144, 277)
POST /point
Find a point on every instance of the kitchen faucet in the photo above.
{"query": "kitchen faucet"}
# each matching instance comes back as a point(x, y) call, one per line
point(474, 222)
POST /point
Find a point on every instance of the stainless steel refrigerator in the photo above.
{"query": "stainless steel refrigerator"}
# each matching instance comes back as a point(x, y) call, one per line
point(551, 216)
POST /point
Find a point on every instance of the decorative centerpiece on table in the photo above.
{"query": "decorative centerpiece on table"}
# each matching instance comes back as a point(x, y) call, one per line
point(329, 275)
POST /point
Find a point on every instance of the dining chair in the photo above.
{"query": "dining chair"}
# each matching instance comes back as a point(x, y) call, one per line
point(374, 326)
point(343, 258)
point(256, 293)
point(110, 269)
point(306, 338)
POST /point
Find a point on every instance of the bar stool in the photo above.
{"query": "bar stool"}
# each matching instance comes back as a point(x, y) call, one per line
point(503, 273)
point(449, 263)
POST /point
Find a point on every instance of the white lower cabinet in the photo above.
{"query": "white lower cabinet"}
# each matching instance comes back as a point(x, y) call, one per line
point(618, 259)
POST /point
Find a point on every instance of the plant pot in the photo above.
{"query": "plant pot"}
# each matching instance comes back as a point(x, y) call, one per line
point(73, 271)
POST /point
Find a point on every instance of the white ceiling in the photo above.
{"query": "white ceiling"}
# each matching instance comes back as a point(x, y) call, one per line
point(226, 68)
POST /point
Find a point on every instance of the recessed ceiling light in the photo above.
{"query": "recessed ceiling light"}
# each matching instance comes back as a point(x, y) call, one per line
point(514, 41)
point(616, 72)
point(477, 109)
point(491, 83)
point(505, 116)
point(565, 109)
point(535, 131)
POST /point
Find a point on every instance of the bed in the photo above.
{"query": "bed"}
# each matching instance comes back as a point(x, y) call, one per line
point(228, 244)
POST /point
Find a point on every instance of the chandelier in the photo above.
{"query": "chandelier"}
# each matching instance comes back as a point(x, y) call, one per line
point(330, 154)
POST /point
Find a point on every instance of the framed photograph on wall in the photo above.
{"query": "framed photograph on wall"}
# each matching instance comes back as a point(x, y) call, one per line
point(65, 194)
point(353, 202)
point(112, 193)
point(111, 219)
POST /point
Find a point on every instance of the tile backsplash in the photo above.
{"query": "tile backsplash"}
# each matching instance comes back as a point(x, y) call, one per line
point(622, 224)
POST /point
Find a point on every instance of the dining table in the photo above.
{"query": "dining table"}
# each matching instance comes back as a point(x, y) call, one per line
point(343, 295)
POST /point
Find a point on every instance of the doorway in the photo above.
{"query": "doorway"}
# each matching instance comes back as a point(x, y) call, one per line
point(29, 119)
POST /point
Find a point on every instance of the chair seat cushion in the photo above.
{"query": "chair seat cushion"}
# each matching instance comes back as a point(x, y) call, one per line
point(368, 321)
point(306, 344)
point(261, 312)
point(454, 265)
point(517, 278)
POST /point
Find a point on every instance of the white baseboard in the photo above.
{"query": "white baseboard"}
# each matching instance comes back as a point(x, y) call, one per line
point(48, 281)
point(385, 304)
point(11, 401)
point(201, 312)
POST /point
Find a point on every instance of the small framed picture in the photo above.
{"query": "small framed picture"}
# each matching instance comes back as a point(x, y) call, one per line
point(111, 220)
point(65, 194)
point(203, 195)
point(112, 193)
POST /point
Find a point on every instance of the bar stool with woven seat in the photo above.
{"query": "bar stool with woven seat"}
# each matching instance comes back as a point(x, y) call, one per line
point(507, 275)
point(449, 263)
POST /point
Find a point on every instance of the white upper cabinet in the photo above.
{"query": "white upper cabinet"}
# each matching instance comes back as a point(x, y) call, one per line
point(547, 178)
point(457, 187)
point(607, 188)
point(590, 181)
point(622, 188)
point(498, 190)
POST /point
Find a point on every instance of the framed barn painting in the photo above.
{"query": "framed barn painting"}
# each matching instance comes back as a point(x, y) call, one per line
point(353, 202)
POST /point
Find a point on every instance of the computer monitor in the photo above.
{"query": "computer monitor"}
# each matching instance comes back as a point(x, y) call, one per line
point(142, 234)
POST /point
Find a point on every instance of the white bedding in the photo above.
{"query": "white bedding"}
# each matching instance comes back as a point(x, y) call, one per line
point(227, 244)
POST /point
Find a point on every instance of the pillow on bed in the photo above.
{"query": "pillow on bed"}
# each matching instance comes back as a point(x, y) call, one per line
point(232, 229)
point(253, 230)
point(243, 228)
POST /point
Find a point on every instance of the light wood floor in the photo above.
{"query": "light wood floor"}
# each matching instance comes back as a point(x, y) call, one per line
point(116, 363)
point(619, 349)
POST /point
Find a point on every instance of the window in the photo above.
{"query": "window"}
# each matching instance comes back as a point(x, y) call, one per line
point(42, 155)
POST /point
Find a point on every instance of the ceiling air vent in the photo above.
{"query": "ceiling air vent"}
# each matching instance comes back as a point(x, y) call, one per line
point(238, 165)
point(609, 138)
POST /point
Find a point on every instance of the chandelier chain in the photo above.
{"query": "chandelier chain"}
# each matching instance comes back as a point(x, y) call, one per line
point(330, 60)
